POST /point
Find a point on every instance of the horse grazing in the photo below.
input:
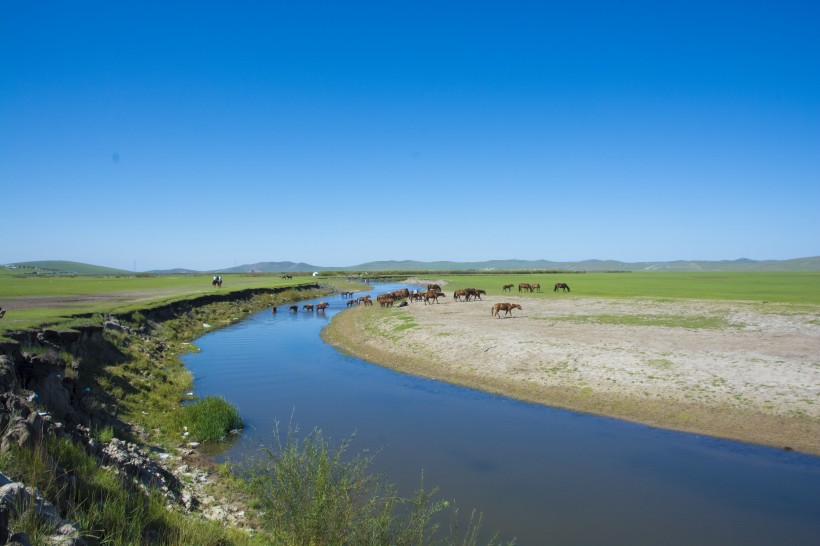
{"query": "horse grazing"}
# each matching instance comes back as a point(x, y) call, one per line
point(352, 302)
point(507, 288)
point(524, 286)
point(536, 287)
point(506, 307)
point(561, 286)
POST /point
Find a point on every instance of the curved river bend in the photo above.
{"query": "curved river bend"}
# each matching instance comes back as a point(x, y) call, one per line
point(544, 475)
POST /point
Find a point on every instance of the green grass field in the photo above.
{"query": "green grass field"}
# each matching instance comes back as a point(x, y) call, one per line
point(31, 301)
point(780, 287)
point(52, 299)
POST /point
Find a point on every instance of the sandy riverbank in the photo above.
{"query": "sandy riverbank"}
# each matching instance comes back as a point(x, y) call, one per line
point(745, 371)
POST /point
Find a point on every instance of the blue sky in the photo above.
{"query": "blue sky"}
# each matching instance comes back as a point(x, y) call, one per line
point(208, 134)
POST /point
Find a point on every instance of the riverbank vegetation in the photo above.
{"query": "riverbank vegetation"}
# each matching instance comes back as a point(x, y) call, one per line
point(304, 492)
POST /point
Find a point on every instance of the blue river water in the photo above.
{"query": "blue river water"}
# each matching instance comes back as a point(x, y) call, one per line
point(543, 475)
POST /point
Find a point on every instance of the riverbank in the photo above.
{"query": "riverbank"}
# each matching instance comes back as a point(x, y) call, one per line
point(742, 371)
point(102, 399)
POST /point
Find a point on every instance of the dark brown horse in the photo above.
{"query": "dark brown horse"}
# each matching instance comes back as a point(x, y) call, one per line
point(294, 308)
point(308, 307)
point(507, 287)
point(506, 307)
point(322, 306)
point(475, 293)
point(561, 286)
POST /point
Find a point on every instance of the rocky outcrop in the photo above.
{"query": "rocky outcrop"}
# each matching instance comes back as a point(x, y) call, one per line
point(131, 460)
point(16, 498)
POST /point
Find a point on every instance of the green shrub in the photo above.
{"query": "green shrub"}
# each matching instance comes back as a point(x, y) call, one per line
point(210, 419)
point(312, 493)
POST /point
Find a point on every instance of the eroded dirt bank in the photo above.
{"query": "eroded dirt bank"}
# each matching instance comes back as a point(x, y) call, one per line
point(745, 371)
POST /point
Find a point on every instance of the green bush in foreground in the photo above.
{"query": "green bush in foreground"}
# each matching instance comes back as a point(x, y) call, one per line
point(311, 493)
point(210, 419)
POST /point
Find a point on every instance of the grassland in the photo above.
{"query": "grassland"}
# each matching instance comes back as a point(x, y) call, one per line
point(32, 301)
point(784, 287)
point(151, 375)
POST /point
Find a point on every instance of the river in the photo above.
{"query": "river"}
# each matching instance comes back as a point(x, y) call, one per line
point(543, 475)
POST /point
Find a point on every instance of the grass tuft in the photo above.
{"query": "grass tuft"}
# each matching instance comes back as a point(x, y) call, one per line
point(210, 419)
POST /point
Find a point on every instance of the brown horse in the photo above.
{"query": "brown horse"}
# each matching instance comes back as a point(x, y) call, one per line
point(217, 282)
point(507, 288)
point(308, 307)
point(322, 306)
point(475, 293)
point(524, 286)
point(294, 308)
point(352, 302)
point(432, 295)
point(458, 294)
point(506, 307)
point(536, 287)
point(435, 287)
point(561, 286)
point(273, 310)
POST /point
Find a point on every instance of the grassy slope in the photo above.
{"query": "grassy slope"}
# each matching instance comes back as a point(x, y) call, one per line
point(63, 267)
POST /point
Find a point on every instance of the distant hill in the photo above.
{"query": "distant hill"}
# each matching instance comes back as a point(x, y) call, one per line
point(743, 264)
point(276, 267)
point(62, 267)
point(55, 267)
point(176, 271)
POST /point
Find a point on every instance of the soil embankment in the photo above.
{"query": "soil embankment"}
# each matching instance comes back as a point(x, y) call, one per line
point(52, 384)
point(743, 371)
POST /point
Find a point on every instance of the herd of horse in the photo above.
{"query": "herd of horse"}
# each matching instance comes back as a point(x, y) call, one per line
point(535, 287)
point(430, 296)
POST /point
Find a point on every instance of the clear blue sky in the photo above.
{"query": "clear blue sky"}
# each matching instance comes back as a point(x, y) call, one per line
point(208, 134)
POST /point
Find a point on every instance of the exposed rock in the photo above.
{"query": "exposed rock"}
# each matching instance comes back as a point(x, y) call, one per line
point(16, 498)
point(130, 459)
